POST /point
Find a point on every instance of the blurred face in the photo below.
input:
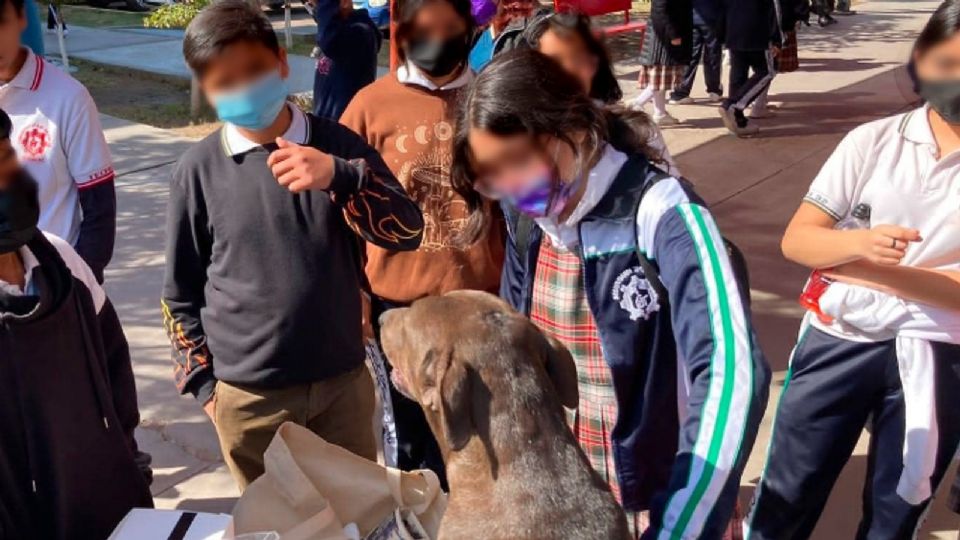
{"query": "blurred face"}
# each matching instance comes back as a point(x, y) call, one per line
point(12, 24)
point(9, 166)
point(505, 166)
point(436, 21)
point(570, 52)
point(241, 64)
point(941, 62)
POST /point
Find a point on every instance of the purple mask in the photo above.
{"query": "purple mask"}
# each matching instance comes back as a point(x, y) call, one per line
point(483, 11)
point(546, 196)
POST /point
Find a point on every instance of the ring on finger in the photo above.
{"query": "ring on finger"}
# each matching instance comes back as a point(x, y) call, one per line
point(894, 246)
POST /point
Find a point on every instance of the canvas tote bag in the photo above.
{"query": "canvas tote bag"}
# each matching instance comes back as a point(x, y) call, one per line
point(310, 489)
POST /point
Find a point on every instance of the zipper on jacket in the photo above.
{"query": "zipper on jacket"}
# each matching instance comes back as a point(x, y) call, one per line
point(5, 327)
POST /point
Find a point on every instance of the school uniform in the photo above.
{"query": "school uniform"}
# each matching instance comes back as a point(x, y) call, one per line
point(59, 140)
point(261, 295)
point(705, 44)
point(843, 374)
point(68, 404)
point(348, 57)
point(750, 28)
point(673, 445)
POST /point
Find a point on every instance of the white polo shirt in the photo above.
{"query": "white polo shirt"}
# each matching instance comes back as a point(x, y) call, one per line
point(59, 140)
point(891, 164)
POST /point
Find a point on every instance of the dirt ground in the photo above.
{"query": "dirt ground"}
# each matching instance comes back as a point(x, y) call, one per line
point(148, 98)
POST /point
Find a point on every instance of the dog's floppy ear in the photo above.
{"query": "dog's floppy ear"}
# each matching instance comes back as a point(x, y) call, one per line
point(562, 371)
point(453, 380)
point(449, 395)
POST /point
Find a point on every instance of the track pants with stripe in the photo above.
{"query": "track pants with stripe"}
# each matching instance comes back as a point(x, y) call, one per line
point(833, 388)
point(744, 87)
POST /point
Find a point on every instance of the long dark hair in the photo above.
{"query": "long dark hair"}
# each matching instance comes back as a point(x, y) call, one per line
point(526, 92)
point(943, 25)
point(604, 85)
point(408, 12)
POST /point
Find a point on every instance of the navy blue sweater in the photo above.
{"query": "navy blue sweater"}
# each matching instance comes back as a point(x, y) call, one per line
point(348, 60)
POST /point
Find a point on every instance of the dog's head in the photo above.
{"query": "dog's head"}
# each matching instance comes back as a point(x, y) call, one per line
point(454, 353)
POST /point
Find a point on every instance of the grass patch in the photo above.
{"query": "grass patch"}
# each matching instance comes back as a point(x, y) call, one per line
point(148, 98)
point(101, 18)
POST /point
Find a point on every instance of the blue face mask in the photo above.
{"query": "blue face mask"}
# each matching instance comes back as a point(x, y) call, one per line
point(254, 106)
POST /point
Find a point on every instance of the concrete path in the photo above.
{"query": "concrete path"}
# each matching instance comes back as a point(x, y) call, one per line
point(850, 74)
point(155, 51)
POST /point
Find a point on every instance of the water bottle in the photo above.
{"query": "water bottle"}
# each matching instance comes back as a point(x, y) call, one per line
point(817, 283)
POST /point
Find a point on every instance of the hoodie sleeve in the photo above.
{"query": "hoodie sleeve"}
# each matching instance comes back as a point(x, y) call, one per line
point(725, 371)
point(188, 255)
point(120, 372)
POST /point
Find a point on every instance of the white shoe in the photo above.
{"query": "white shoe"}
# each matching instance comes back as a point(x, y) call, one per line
point(635, 104)
point(665, 119)
point(682, 101)
point(714, 97)
point(729, 120)
point(759, 113)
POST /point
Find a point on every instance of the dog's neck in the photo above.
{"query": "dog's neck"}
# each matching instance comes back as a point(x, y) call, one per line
point(513, 445)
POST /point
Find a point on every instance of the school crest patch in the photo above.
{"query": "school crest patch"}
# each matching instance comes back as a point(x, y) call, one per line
point(35, 140)
point(633, 293)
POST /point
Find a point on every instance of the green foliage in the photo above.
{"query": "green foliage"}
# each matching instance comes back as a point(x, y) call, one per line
point(176, 15)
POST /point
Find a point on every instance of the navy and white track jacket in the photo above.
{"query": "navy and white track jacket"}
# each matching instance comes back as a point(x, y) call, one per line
point(678, 453)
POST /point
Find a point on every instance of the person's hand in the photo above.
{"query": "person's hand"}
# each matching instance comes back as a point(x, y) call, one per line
point(676, 41)
point(210, 407)
point(775, 51)
point(886, 244)
point(300, 168)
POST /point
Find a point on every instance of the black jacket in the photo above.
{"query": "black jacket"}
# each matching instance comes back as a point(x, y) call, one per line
point(68, 408)
point(669, 20)
point(750, 25)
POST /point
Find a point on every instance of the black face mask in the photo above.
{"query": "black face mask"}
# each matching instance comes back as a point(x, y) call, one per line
point(943, 97)
point(438, 58)
point(19, 212)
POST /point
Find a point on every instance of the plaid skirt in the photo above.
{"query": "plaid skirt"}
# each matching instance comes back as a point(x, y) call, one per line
point(661, 77)
point(559, 308)
point(789, 59)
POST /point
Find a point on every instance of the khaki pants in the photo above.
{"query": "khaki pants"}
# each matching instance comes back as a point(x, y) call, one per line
point(339, 409)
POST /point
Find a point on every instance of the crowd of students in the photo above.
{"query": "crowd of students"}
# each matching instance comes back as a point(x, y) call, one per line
point(289, 234)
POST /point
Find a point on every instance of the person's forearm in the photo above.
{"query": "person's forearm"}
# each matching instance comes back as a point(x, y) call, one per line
point(820, 247)
point(98, 229)
point(939, 288)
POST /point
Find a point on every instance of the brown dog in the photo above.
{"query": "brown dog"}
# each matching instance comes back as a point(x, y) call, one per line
point(492, 386)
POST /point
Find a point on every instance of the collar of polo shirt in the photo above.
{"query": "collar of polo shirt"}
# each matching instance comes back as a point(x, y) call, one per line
point(916, 127)
point(235, 144)
point(30, 74)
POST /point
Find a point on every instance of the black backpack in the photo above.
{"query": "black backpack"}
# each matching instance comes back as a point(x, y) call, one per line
point(523, 227)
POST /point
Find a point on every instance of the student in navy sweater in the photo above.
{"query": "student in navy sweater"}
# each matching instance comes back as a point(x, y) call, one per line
point(347, 47)
point(261, 298)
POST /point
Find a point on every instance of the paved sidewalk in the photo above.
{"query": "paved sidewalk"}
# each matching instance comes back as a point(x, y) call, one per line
point(160, 51)
point(850, 74)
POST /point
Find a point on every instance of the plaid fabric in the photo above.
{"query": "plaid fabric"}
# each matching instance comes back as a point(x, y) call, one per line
point(559, 308)
point(789, 60)
point(661, 77)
